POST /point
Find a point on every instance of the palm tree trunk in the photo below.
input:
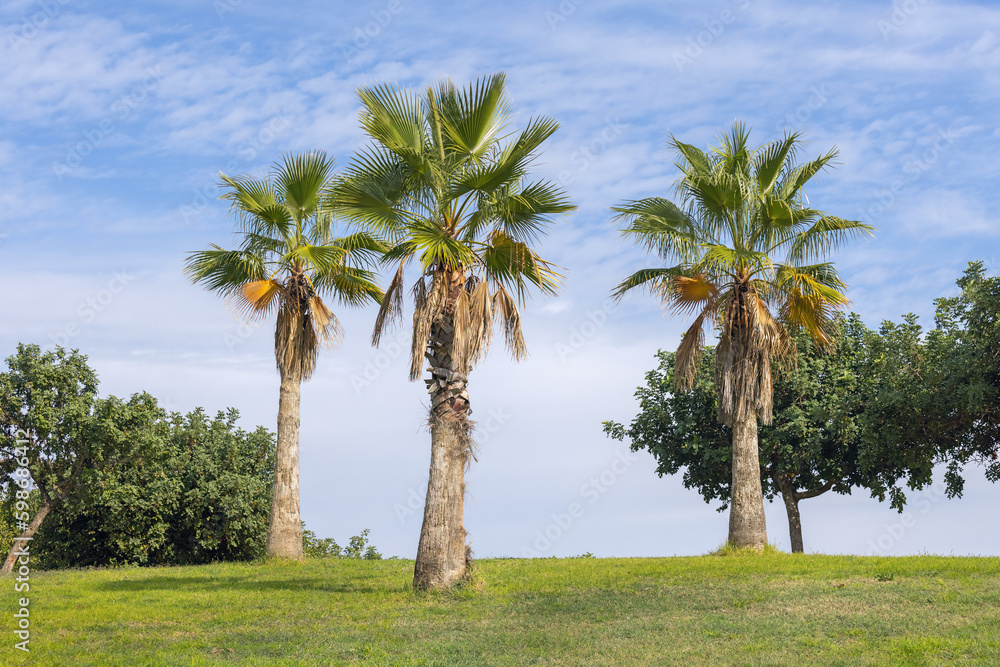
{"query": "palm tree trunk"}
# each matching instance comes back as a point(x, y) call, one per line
point(442, 554)
point(747, 525)
point(24, 538)
point(284, 534)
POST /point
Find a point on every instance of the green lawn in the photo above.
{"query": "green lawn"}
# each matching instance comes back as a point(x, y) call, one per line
point(776, 609)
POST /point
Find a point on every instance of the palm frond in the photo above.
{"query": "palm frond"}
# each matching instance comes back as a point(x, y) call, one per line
point(224, 271)
point(510, 318)
point(393, 117)
point(472, 118)
point(825, 235)
point(661, 227)
point(391, 309)
point(257, 300)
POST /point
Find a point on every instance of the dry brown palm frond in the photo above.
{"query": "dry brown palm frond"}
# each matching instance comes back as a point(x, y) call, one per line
point(461, 320)
point(749, 338)
point(296, 345)
point(683, 294)
point(328, 328)
point(810, 312)
point(506, 310)
point(256, 300)
point(688, 355)
point(481, 318)
point(429, 302)
point(391, 309)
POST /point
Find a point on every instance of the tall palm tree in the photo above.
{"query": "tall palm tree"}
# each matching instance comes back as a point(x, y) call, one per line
point(287, 262)
point(441, 184)
point(740, 248)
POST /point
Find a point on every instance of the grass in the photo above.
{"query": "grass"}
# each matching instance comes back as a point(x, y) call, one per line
point(734, 609)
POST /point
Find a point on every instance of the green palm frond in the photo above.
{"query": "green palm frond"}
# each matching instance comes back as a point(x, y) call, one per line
point(302, 181)
point(826, 235)
point(654, 280)
point(350, 286)
point(394, 118)
point(224, 271)
point(472, 118)
point(661, 227)
point(516, 266)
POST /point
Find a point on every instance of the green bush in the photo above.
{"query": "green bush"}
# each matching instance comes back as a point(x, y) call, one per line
point(327, 547)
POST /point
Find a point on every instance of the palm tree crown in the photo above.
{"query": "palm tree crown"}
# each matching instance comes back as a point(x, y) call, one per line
point(440, 184)
point(744, 248)
point(288, 259)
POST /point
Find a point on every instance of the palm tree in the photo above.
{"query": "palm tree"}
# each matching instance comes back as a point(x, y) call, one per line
point(439, 182)
point(738, 249)
point(286, 262)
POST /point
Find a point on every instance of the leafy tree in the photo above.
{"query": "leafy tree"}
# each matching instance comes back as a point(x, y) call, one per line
point(57, 436)
point(965, 348)
point(740, 208)
point(327, 547)
point(287, 262)
point(441, 184)
point(811, 447)
point(935, 395)
point(197, 495)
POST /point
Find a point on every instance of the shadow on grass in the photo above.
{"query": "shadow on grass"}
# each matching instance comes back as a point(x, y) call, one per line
point(206, 583)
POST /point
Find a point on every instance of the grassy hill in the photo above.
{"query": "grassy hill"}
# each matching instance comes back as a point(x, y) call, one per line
point(776, 609)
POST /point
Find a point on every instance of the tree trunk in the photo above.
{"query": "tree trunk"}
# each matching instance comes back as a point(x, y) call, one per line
point(22, 541)
point(442, 558)
point(747, 525)
point(792, 497)
point(284, 534)
point(794, 521)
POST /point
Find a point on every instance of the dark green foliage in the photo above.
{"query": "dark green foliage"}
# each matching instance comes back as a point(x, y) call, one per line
point(201, 494)
point(935, 397)
point(58, 438)
point(812, 445)
point(327, 547)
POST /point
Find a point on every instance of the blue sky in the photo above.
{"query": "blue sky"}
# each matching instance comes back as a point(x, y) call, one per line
point(118, 117)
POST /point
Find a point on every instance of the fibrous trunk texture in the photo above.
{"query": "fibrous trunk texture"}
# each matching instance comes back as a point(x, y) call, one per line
point(747, 526)
point(21, 543)
point(284, 534)
point(442, 557)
